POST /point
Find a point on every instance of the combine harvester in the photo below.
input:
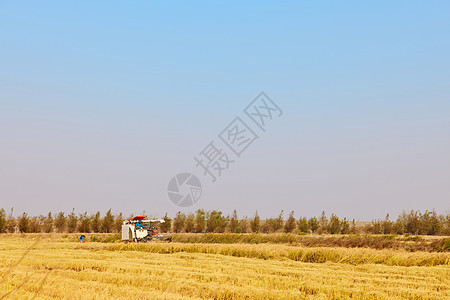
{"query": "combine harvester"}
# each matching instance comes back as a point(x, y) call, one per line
point(138, 229)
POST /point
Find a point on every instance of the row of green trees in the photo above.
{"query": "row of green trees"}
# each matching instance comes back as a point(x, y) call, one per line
point(215, 221)
point(61, 222)
point(414, 222)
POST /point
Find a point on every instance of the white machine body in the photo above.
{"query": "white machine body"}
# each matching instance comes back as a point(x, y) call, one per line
point(139, 230)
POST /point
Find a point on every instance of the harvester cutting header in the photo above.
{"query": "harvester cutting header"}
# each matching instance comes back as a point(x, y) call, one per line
point(139, 229)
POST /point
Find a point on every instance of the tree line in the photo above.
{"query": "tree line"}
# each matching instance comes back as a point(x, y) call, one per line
point(414, 222)
point(61, 222)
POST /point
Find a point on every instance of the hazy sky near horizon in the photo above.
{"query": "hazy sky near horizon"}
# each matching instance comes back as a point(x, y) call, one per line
point(101, 103)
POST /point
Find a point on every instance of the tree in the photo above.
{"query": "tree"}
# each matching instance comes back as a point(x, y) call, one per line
point(243, 225)
point(302, 224)
point(313, 224)
point(2, 221)
point(233, 225)
point(108, 222)
point(60, 222)
point(255, 223)
point(376, 227)
point(345, 226)
point(277, 223)
point(267, 225)
point(167, 225)
point(413, 222)
point(34, 224)
point(11, 222)
point(84, 225)
point(72, 222)
point(387, 225)
point(290, 223)
point(24, 223)
point(190, 223)
point(215, 221)
point(429, 223)
point(96, 222)
point(435, 224)
point(334, 226)
point(47, 225)
point(118, 222)
point(353, 228)
point(445, 223)
point(222, 223)
point(323, 223)
point(400, 225)
point(178, 222)
point(211, 220)
point(200, 220)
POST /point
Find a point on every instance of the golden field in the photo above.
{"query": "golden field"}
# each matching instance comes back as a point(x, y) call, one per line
point(56, 266)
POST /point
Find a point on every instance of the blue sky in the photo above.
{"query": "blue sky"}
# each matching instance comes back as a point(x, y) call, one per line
point(102, 103)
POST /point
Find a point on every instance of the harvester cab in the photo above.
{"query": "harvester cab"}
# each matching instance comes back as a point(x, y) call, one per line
point(139, 229)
